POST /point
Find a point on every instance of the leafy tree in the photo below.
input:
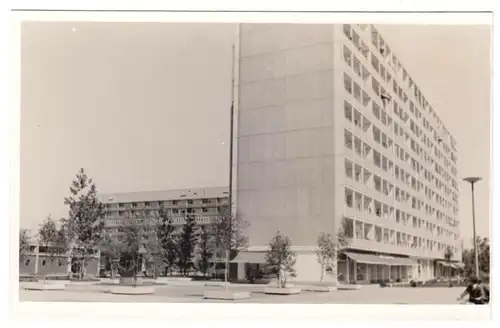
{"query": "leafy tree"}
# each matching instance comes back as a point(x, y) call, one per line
point(24, 243)
point(468, 258)
point(85, 222)
point(52, 240)
point(448, 255)
point(188, 239)
point(205, 249)
point(47, 233)
point(326, 253)
point(111, 251)
point(280, 255)
point(135, 247)
point(167, 239)
point(330, 247)
point(229, 234)
point(484, 254)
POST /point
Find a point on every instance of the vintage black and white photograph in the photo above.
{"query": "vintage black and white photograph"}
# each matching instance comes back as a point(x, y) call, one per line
point(255, 162)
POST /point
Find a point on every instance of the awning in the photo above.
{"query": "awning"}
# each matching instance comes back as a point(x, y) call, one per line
point(445, 264)
point(377, 259)
point(250, 257)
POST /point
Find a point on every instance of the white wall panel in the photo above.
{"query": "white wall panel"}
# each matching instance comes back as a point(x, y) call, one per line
point(315, 85)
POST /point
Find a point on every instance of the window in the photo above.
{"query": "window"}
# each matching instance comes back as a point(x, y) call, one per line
point(357, 66)
point(27, 262)
point(347, 56)
point(355, 38)
point(365, 99)
point(376, 110)
point(348, 83)
point(359, 201)
point(348, 168)
point(348, 228)
point(190, 202)
point(368, 231)
point(378, 234)
point(349, 197)
point(348, 139)
point(357, 118)
point(348, 111)
point(359, 230)
point(357, 92)
point(374, 37)
point(375, 86)
point(347, 30)
point(378, 209)
point(386, 236)
point(375, 62)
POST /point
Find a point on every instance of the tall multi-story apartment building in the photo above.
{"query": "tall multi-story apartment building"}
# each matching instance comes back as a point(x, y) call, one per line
point(334, 131)
point(203, 203)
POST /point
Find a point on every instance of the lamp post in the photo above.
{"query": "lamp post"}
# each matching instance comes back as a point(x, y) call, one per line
point(472, 181)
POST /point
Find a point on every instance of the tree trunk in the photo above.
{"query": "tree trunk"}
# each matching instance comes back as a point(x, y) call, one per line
point(322, 273)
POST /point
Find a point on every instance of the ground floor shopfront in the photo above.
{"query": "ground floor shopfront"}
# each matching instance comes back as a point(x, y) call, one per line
point(357, 267)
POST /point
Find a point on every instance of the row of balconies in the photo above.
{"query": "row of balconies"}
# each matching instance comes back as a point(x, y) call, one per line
point(397, 240)
point(364, 202)
point(390, 168)
point(406, 138)
point(169, 204)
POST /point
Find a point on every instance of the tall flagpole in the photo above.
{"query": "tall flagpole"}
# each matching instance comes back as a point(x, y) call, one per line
point(231, 137)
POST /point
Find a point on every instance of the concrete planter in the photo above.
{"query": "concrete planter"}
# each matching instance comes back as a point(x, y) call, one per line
point(225, 295)
point(131, 281)
point(132, 290)
point(83, 283)
point(348, 287)
point(173, 280)
point(282, 291)
point(39, 286)
point(110, 281)
point(320, 288)
point(216, 284)
point(53, 282)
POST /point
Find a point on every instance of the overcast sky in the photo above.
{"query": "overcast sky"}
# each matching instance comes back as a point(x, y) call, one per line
point(144, 106)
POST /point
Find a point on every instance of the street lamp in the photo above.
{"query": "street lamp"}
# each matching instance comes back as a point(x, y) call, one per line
point(472, 181)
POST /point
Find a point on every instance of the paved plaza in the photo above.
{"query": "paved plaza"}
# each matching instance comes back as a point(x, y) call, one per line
point(190, 293)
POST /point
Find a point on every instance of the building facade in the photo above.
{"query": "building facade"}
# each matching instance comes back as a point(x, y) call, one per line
point(205, 204)
point(334, 132)
point(40, 262)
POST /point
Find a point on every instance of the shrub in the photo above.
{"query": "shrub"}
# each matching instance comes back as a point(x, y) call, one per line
point(413, 284)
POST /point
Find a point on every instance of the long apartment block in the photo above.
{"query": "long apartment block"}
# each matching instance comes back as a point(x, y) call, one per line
point(203, 203)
